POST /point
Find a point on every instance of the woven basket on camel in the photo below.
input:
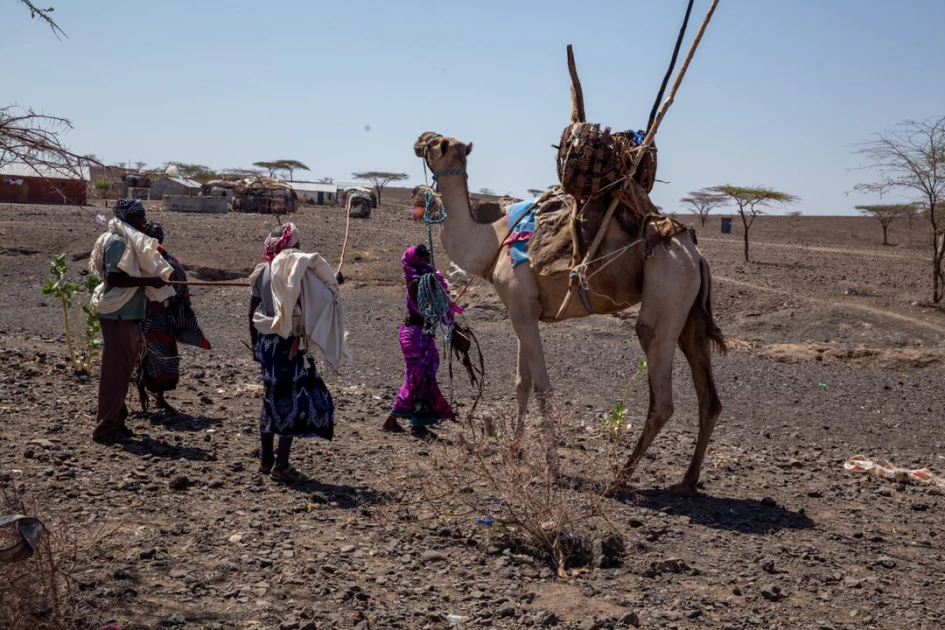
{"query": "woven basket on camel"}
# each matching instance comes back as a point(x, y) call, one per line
point(591, 159)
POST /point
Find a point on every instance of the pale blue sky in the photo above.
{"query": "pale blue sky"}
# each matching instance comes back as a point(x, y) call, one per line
point(777, 94)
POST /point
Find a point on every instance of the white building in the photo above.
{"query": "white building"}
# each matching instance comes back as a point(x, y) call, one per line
point(319, 194)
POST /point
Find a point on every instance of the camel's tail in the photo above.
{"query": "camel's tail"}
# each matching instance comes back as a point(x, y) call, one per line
point(705, 301)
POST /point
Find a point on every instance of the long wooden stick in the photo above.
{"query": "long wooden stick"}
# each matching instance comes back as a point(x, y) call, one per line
point(641, 151)
point(344, 245)
point(199, 283)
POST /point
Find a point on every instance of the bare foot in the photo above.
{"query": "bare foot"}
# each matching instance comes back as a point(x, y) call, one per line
point(392, 426)
point(143, 397)
point(162, 403)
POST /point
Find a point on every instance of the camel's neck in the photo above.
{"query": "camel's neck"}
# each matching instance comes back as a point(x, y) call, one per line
point(470, 245)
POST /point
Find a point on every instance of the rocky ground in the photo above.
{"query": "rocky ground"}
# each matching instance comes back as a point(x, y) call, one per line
point(834, 354)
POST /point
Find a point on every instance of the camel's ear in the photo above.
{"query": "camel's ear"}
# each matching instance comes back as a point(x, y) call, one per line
point(444, 146)
point(469, 148)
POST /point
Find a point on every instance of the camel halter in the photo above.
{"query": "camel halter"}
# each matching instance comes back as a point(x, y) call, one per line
point(432, 194)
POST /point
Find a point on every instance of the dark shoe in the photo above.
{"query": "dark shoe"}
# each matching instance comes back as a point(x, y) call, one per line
point(424, 434)
point(392, 426)
point(125, 432)
point(108, 439)
point(287, 475)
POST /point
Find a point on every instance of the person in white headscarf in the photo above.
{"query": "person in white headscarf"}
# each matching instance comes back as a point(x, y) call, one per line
point(295, 307)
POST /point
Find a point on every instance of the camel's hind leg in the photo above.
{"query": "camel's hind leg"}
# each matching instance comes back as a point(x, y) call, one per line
point(698, 337)
point(659, 346)
point(670, 287)
point(696, 346)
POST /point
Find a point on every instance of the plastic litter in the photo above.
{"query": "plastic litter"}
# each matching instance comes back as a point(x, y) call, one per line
point(28, 530)
point(885, 470)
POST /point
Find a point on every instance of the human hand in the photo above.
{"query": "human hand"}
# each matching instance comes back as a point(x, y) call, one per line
point(340, 278)
point(155, 283)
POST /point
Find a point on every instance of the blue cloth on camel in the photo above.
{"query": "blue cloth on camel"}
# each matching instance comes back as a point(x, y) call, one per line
point(521, 233)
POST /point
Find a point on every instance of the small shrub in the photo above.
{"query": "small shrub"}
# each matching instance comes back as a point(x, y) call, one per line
point(39, 592)
point(615, 423)
point(73, 296)
point(518, 495)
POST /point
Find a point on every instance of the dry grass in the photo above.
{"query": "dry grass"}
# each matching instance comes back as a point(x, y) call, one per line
point(524, 493)
point(39, 593)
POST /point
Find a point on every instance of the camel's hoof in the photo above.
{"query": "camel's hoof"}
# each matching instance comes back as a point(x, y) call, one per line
point(684, 490)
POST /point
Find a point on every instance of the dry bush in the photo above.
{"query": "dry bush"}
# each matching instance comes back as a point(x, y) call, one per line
point(525, 493)
point(39, 593)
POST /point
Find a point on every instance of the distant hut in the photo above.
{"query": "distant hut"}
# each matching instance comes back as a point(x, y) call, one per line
point(359, 205)
point(173, 186)
point(345, 189)
point(315, 193)
point(262, 195)
point(24, 183)
point(219, 188)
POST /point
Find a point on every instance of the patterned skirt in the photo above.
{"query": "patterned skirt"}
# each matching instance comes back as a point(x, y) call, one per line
point(159, 369)
point(295, 401)
point(420, 400)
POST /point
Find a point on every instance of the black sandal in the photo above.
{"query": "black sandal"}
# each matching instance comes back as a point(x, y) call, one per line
point(287, 475)
point(424, 434)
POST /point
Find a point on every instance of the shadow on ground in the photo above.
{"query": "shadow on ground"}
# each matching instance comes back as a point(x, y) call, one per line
point(747, 516)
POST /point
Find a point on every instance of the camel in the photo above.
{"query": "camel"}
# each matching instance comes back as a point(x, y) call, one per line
point(673, 287)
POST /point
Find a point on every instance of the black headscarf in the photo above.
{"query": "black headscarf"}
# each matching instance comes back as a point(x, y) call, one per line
point(131, 211)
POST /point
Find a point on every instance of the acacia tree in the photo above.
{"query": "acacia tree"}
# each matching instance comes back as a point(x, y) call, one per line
point(535, 192)
point(751, 201)
point(272, 167)
point(242, 172)
point(380, 179)
point(291, 166)
point(910, 158)
point(704, 202)
point(196, 172)
point(886, 213)
point(487, 191)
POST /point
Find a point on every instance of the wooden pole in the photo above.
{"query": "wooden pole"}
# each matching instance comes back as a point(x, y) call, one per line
point(199, 283)
point(344, 245)
point(641, 151)
point(577, 93)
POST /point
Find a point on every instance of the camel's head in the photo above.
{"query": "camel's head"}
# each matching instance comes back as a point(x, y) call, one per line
point(442, 154)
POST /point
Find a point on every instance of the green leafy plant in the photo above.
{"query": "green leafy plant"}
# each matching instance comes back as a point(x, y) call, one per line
point(74, 298)
point(615, 422)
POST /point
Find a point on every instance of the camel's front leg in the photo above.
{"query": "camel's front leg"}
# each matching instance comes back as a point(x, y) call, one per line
point(523, 389)
point(531, 355)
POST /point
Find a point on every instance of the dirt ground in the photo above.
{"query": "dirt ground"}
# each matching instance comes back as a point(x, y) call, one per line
point(834, 353)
